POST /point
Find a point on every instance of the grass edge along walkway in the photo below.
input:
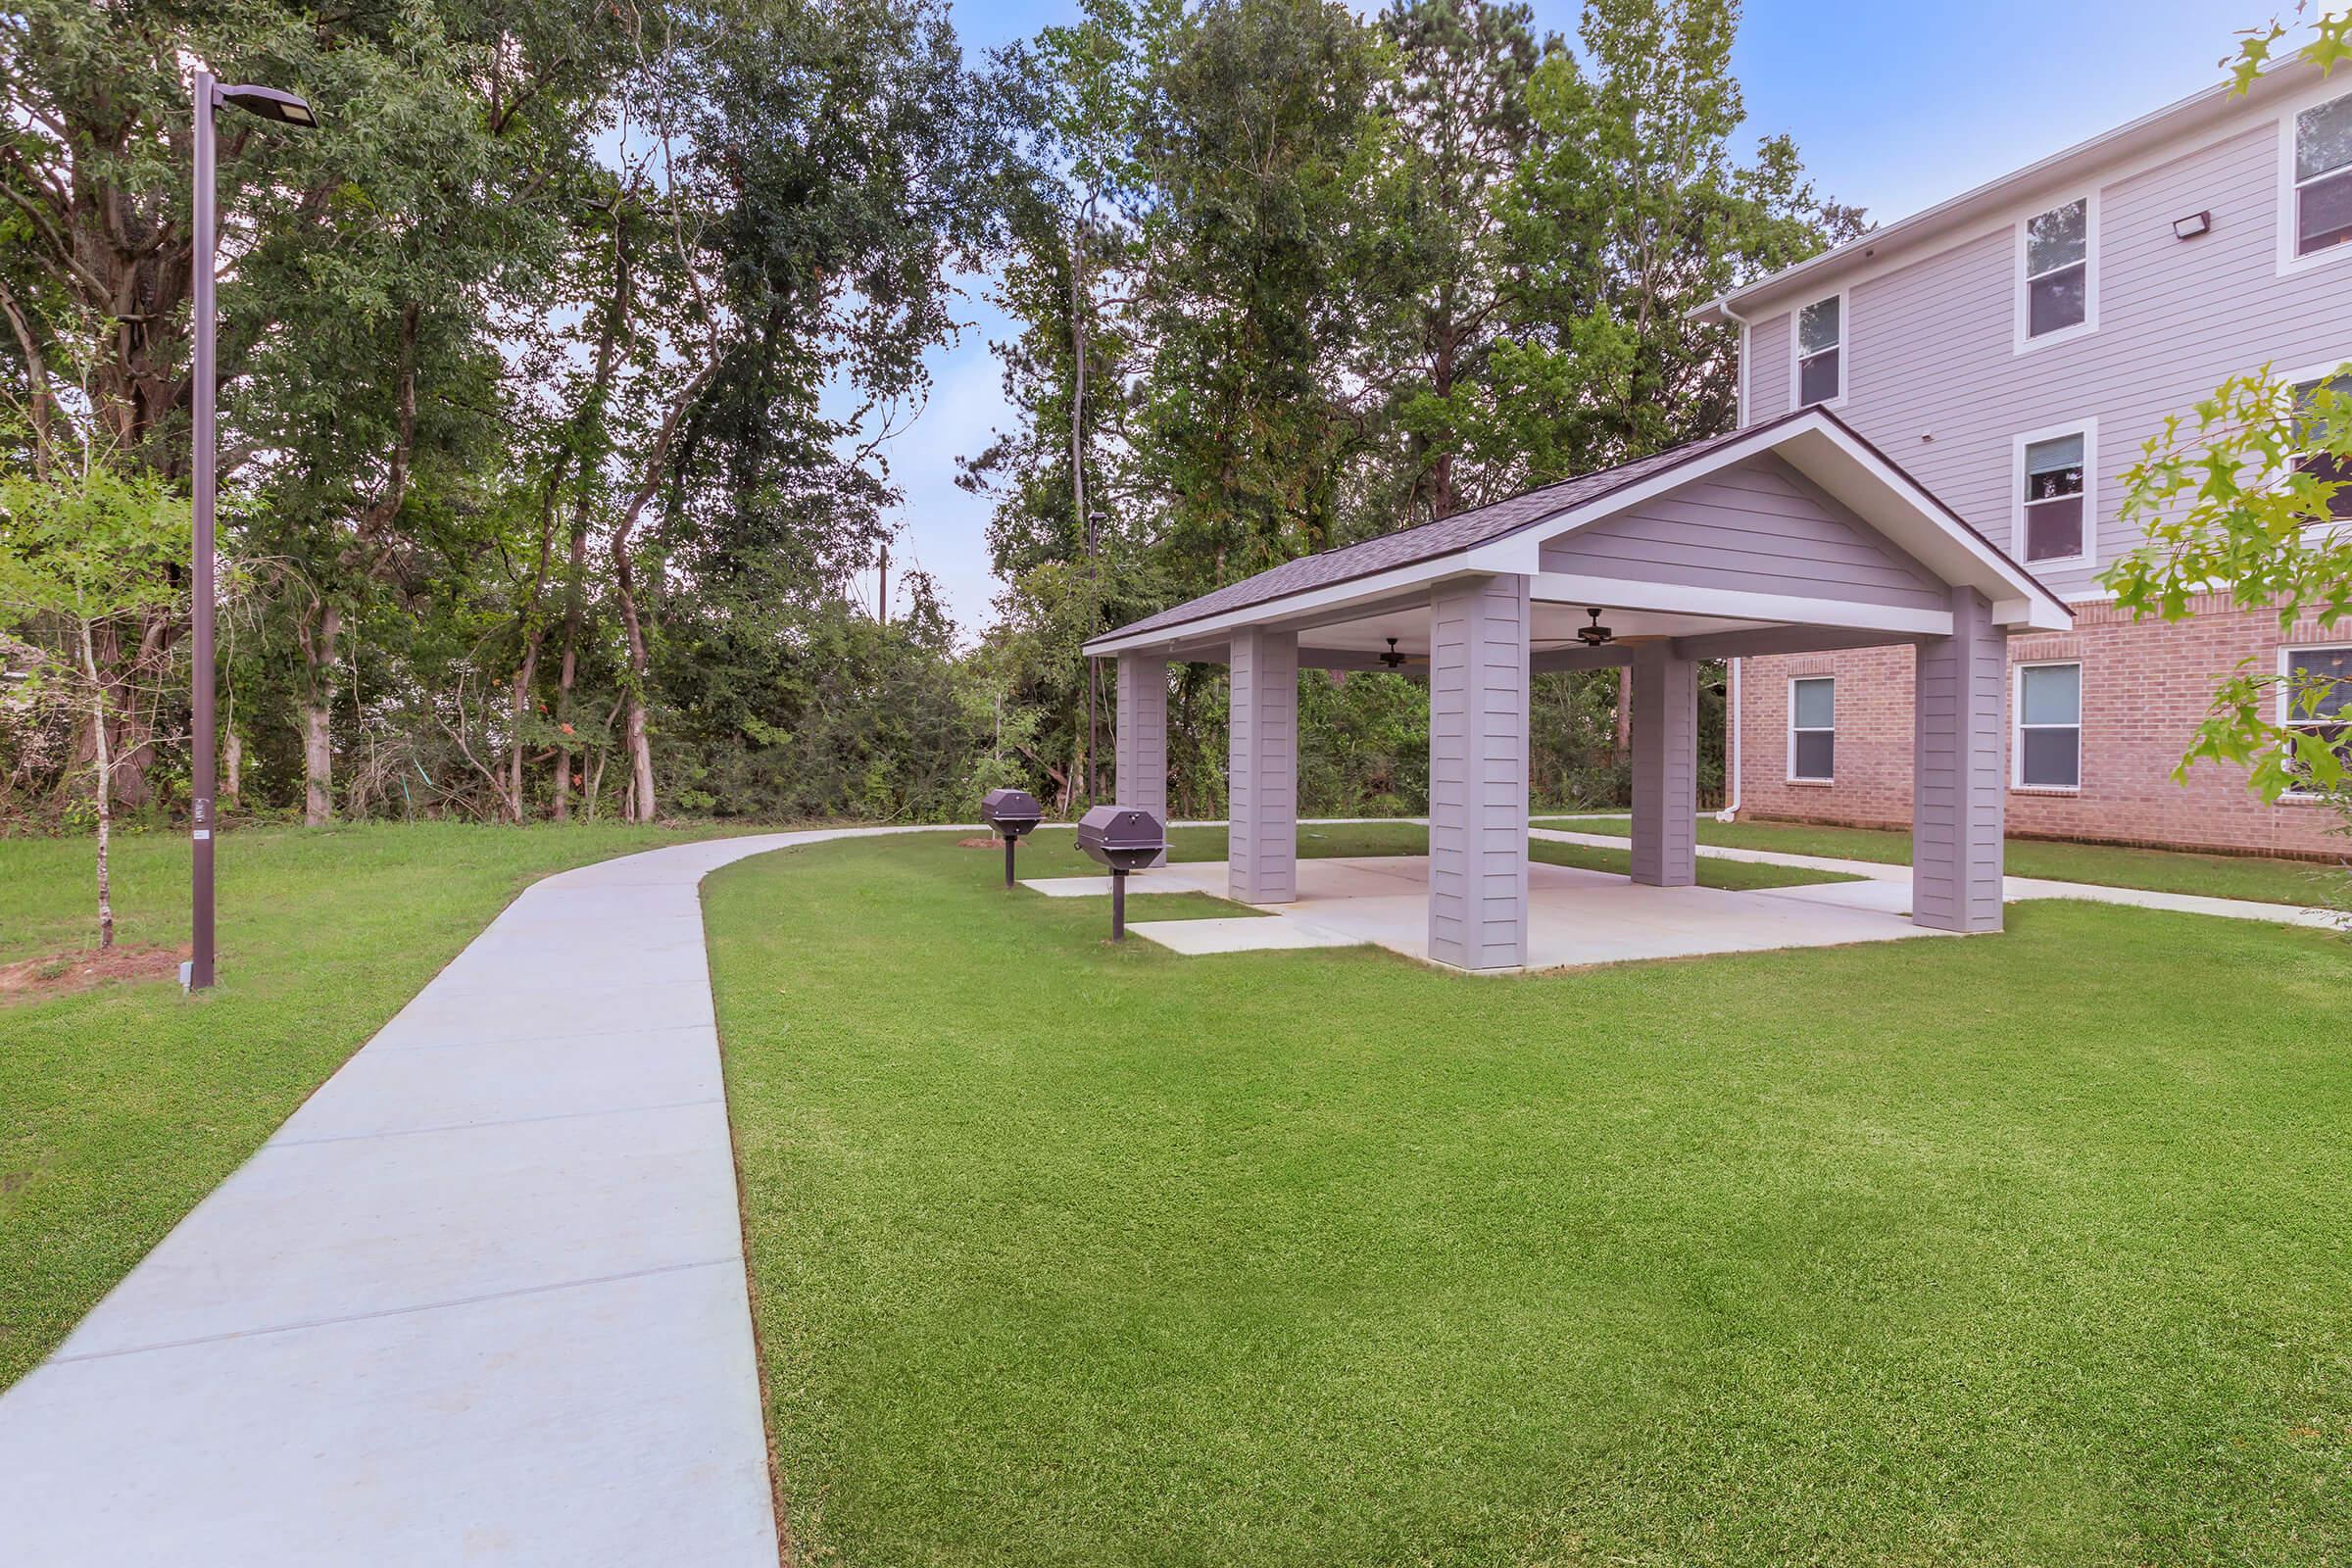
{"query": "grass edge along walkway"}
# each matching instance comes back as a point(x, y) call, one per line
point(2256, 878)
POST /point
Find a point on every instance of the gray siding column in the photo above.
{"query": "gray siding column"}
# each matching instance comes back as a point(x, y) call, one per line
point(1665, 735)
point(1142, 747)
point(1960, 713)
point(1478, 679)
point(1261, 836)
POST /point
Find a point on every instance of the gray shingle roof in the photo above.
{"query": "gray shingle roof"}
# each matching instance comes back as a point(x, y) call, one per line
point(1426, 541)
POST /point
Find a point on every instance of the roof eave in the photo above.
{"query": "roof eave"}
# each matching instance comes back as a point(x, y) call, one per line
point(1920, 228)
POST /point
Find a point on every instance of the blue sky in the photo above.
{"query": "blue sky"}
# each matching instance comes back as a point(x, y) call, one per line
point(1893, 106)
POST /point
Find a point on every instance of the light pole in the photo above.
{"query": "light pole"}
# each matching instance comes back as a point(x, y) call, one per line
point(285, 109)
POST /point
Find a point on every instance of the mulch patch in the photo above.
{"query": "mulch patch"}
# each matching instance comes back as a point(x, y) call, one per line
point(980, 843)
point(60, 973)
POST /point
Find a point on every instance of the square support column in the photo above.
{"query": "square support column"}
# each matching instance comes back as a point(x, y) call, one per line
point(1478, 760)
point(1142, 743)
point(1261, 836)
point(1959, 726)
point(1665, 739)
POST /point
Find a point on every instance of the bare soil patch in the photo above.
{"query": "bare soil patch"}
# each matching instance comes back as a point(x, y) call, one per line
point(981, 843)
point(80, 968)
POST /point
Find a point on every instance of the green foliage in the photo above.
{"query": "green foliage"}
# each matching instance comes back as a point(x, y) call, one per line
point(2240, 498)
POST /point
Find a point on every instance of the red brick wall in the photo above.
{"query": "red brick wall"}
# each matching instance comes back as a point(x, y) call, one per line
point(2145, 686)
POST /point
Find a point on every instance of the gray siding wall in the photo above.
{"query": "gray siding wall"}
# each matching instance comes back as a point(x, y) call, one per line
point(1933, 378)
point(1261, 835)
point(1142, 743)
point(1756, 527)
point(1665, 839)
point(1959, 723)
point(1478, 750)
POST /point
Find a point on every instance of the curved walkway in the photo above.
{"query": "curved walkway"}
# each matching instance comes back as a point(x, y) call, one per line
point(480, 1299)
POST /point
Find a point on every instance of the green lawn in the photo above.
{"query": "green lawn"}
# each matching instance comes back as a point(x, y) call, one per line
point(2220, 876)
point(120, 1108)
point(2021, 1249)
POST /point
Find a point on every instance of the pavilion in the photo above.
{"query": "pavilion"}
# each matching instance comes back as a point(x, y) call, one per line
point(1794, 535)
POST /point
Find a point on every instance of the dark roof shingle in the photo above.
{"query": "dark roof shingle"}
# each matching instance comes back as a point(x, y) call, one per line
point(1426, 541)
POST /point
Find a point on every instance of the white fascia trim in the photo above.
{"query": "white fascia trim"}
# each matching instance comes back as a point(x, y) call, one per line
point(2289, 262)
point(2088, 430)
point(2023, 305)
point(1669, 597)
point(1273, 611)
point(1845, 350)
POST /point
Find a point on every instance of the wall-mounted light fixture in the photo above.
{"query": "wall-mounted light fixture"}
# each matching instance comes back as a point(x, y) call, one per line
point(2192, 225)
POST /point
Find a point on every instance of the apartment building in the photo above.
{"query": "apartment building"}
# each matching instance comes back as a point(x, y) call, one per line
point(2012, 349)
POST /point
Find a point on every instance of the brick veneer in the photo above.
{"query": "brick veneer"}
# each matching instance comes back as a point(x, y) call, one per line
point(2145, 685)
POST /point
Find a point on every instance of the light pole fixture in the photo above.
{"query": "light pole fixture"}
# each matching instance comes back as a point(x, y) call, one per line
point(285, 109)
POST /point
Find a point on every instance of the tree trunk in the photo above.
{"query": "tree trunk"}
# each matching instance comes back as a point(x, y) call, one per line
point(569, 672)
point(105, 759)
point(234, 764)
point(315, 632)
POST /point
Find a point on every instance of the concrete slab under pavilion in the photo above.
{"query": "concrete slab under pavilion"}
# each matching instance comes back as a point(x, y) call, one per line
point(1575, 917)
point(1790, 536)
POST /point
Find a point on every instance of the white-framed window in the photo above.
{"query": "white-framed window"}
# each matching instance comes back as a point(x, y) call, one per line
point(2330, 713)
point(1813, 729)
point(2055, 515)
point(2057, 272)
point(2314, 183)
point(2047, 751)
point(2306, 387)
point(1817, 354)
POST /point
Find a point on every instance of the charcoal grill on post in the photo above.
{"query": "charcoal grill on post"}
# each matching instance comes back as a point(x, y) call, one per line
point(1124, 838)
point(1012, 813)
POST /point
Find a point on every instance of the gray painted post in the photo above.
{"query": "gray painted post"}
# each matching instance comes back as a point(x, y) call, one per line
point(1141, 750)
point(1261, 835)
point(1958, 724)
point(1665, 768)
point(1478, 684)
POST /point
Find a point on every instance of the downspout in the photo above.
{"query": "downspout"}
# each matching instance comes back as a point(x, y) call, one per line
point(1730, 706)
point(1731, 750)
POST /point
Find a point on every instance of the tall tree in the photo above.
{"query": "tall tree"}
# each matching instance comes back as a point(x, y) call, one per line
point(1635, 212)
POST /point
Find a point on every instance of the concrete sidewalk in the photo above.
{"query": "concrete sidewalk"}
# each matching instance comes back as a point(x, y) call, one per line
point(480, 1299)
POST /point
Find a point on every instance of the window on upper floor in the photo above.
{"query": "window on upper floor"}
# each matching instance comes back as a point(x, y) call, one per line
point(1821, 351)
point(2053, 510)
point(2327, 465)
point(2048, 753)
point(2323, 176)
point(1813, 729)
point(2055, 284)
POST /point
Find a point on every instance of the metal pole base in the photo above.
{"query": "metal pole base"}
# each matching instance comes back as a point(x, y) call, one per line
point(1118, 905)
point(1008, 862)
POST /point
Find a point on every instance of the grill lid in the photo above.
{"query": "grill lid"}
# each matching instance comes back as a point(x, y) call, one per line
point(1013, 808)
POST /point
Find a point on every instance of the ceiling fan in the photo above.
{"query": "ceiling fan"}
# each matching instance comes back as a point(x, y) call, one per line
point(1594, 635)
point(1392, 659)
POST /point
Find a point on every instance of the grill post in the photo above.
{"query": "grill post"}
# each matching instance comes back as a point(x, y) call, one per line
point(1118, 903)
point(1008, 861)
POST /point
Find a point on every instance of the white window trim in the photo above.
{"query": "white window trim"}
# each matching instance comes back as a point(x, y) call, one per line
point(1795, 777)
point(2088, 430)
point(2022, 343)
point(2018, 726)
point(2327, 528)
point(1846, 351)
point(2289, 262)
point(2285, 699)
